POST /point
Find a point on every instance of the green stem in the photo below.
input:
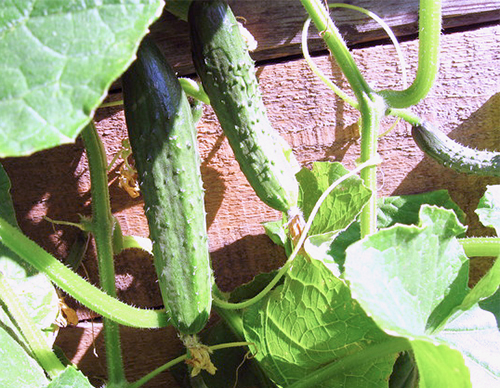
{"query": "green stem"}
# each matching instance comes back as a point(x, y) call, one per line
point(366, 356)
point(429, 30)
point(194, 89)
point(33, 336)
point(190, 87)
point(330, 34)
point(102, 230)
point(178, 360)
point(371, 113)
point(481, 246)
point(102, 219)
point(370, 105)
point(75, 285)
point(406, 115)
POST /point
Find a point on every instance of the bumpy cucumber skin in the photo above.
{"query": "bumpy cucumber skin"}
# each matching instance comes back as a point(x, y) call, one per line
point(163, 140)
point(228, 76)
point(453, 155)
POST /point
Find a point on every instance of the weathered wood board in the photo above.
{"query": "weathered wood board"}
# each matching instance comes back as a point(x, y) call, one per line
point(282, 39)
point(465, 103)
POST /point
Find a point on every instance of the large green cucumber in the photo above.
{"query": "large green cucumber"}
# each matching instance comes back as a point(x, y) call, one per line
point(453, 155)
point(228, 76)
point(163, 140)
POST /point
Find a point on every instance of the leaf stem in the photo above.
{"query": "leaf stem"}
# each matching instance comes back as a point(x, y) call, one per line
point(190, 87)
point(194, 89)
point(367, 355)
point(480, 246)
point(73, 284)
point(102, 230)
point(33, 336)
point(330, 34)
point(371, 112)
point(429, 30)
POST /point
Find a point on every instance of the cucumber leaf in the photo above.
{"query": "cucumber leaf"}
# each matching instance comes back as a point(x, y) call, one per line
point(489, 214)
point(488, 208)
point(340, 207)
point(70, 377)
point(410, 280)
point(34, 290)
point(440, 366)
point(58, 60)
point(486, 287)
point(476, 335)
point(402, 209)
point(17, 368)
point(309, 322)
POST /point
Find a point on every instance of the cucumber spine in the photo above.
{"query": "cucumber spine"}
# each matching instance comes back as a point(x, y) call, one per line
point(451, 154)
point(227, 73)
point(163, 140)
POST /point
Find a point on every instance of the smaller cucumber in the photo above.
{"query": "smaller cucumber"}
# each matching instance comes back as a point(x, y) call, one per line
point(453, 155)
point(227, 73)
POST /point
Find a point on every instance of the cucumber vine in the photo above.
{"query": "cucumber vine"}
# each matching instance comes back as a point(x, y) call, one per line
point(272, 174)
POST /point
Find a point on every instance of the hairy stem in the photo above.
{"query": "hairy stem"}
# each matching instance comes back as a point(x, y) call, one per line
point(370, 105)
point(102, 229)
point(178, 360)
point(75, 285)
point(480, 246)
point(429, 30)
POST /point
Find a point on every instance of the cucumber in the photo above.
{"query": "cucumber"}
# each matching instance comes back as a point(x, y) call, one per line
point(163, 140)
point(228, 76)
point(453, 155)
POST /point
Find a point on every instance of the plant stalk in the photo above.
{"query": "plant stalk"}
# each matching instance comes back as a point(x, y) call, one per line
point(102, 230)
point(73, 284)
point(429, 31)
point(481, 246)
point(367, 355)
point(371, 106)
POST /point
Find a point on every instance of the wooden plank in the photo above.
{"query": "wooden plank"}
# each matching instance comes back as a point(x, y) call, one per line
point(465, 102)
point(277, 25)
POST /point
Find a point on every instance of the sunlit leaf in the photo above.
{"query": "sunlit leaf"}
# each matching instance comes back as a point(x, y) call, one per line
point(58, 60)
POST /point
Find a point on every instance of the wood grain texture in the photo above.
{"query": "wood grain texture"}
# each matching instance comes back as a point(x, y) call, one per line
point(465, 103)
point(277, 25)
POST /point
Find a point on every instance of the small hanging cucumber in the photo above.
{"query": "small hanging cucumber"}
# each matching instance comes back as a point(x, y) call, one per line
point(227, 73)
point(453, 155)
point(163, 140)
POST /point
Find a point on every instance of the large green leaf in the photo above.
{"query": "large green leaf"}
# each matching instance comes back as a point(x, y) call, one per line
point(410, 280)
point(58, 60)
point(488, 208)
point(475, 334)
point(312, 321)
point(340, 207)
point(70, 378)
point(34, 290)
point(440, 366)
point(402, 274)
point(17, 368)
